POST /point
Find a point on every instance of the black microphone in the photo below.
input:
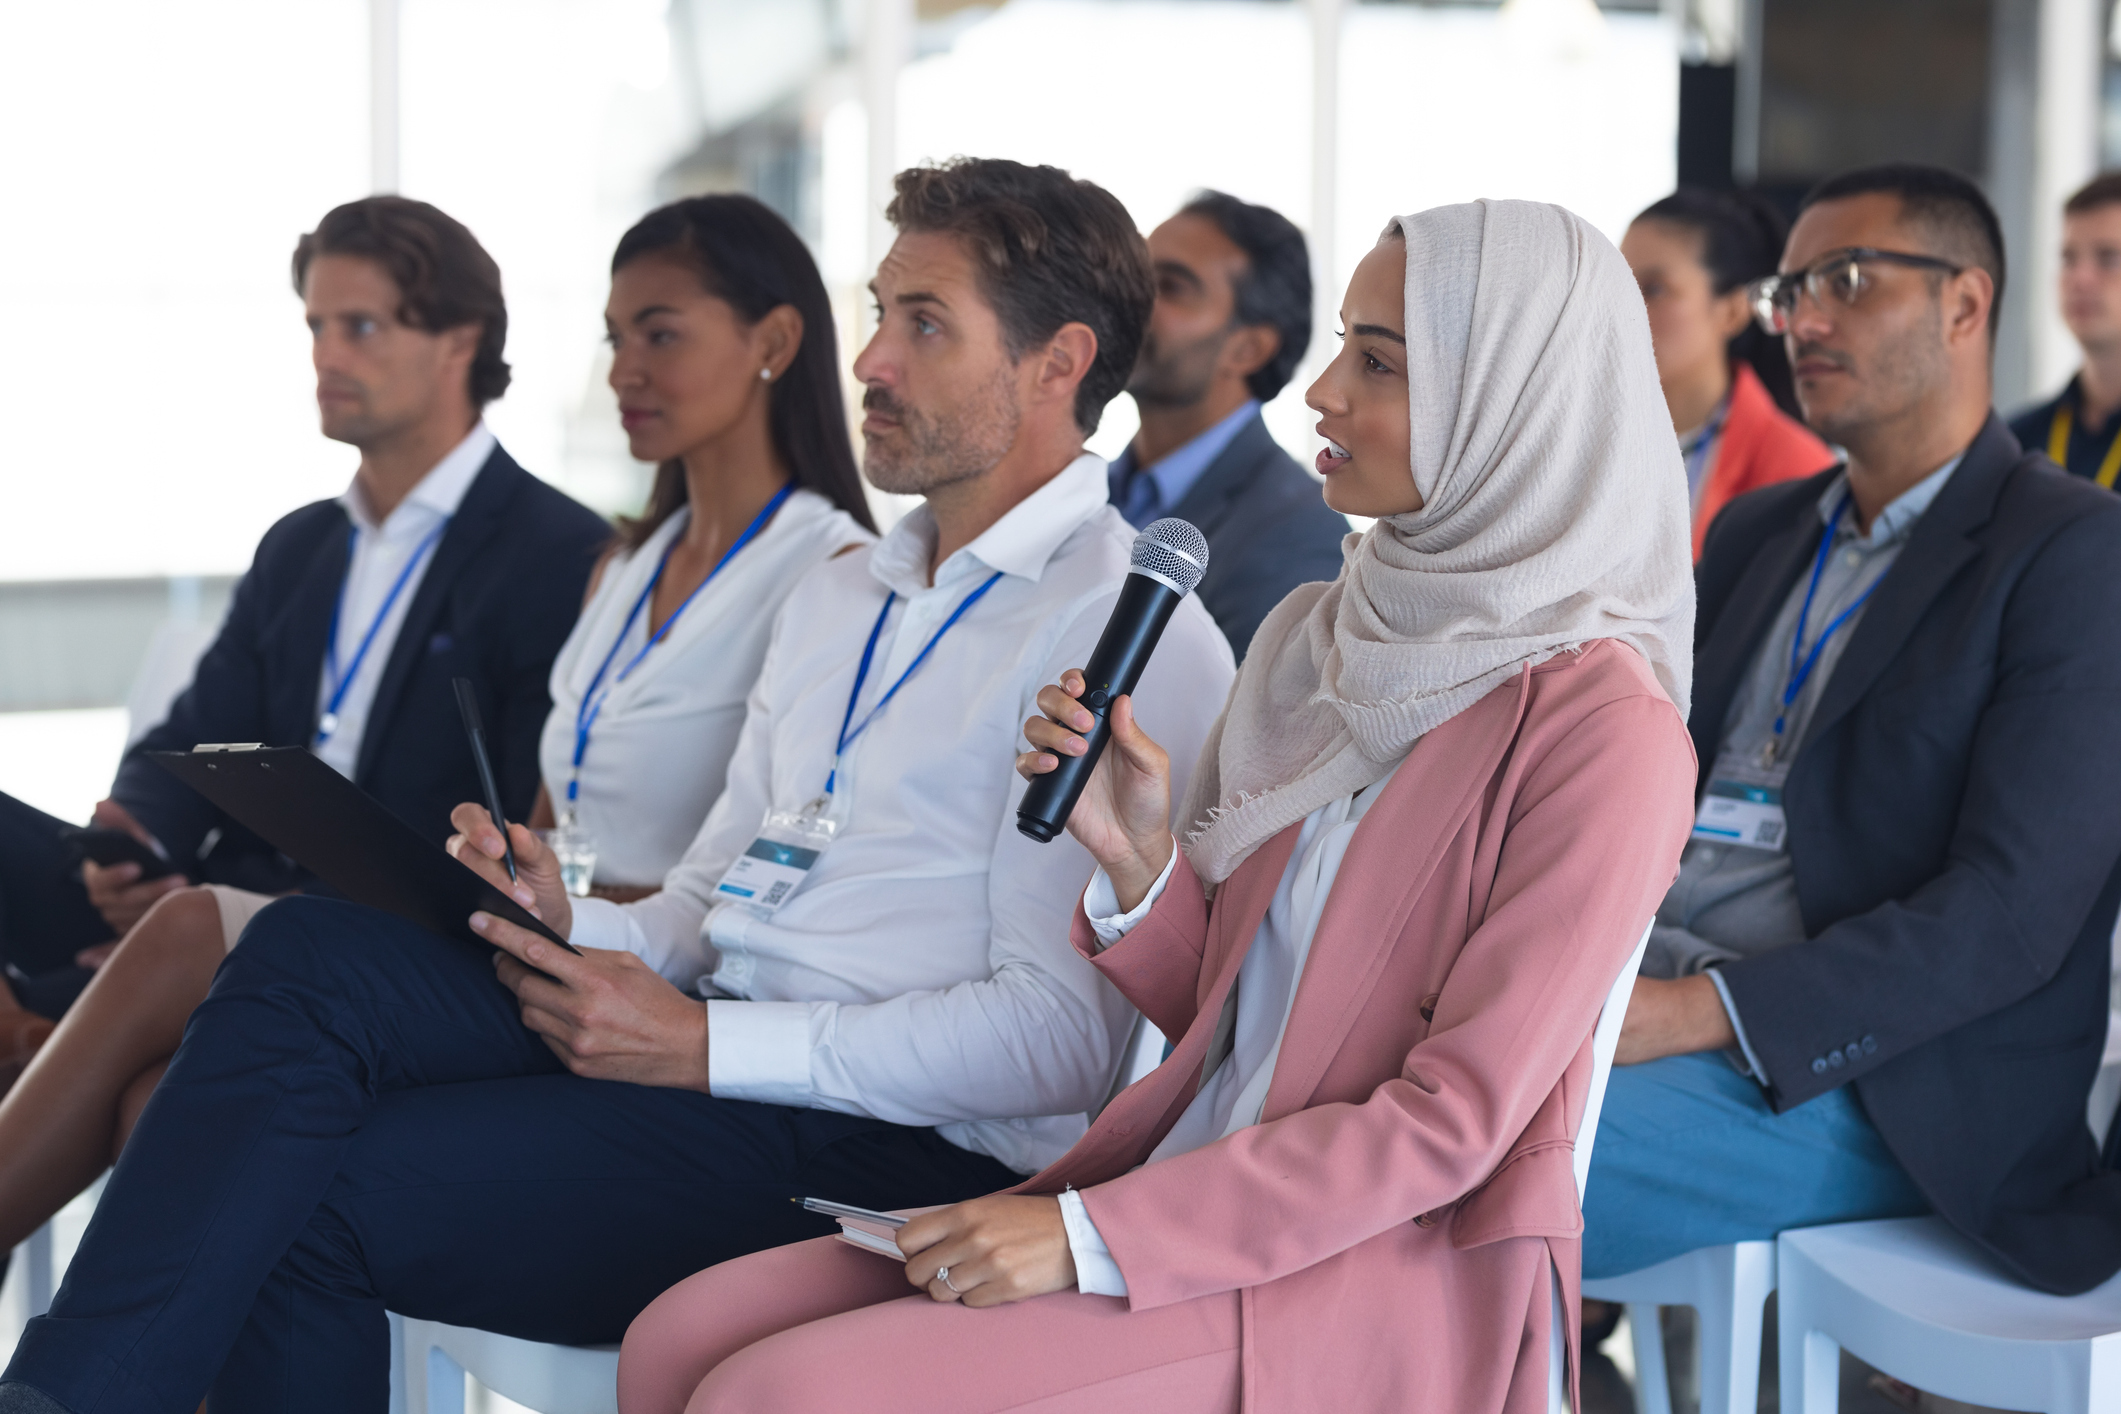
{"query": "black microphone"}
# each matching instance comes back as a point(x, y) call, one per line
point(1169, 559)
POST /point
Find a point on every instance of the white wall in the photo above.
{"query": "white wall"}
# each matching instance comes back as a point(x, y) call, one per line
point(1155, 100)
point(155, 391)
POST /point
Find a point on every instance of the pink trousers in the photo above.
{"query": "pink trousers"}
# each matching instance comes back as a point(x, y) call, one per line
point(822, 1325)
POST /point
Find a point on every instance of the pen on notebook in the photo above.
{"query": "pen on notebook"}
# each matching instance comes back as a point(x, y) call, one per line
point(468, 707)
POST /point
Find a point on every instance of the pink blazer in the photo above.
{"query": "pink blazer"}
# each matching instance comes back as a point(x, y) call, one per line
point(1390, 1222)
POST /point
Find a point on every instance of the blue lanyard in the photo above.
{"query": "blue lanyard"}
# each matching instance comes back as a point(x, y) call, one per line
point(1696, 453)
point(861, 674)
point(328, 724)
point(592, 703)
point(1801, 672)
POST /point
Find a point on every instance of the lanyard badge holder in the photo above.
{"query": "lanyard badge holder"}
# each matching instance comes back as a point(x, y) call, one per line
point(790, 842)
point(328, 723)
point(1737, 810)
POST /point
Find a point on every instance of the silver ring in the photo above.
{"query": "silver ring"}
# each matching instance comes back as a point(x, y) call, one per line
point(943, 1275)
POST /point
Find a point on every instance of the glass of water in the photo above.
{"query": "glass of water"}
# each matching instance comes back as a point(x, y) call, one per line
point(577, 853)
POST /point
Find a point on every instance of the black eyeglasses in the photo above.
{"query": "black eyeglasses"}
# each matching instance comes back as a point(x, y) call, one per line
point(1841, 277)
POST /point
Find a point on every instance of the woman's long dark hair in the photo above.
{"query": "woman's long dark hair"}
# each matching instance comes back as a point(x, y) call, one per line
point(1741, 240)
point(746, 255)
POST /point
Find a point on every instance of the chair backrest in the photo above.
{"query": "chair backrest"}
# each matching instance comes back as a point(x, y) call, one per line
point(1604, 1041)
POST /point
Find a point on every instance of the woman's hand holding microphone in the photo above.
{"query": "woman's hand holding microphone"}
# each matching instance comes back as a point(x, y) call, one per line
point(1124, 816)
point(1006, 1248)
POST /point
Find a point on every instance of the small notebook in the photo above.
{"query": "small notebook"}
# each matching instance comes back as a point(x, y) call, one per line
point(866, 1228)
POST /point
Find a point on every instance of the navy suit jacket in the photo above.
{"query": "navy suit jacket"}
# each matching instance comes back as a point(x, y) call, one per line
point(494, 606)
point(1268, 530)
point(1954, 825)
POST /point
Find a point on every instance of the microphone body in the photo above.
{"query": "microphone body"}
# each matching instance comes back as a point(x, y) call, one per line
point(1164, 572)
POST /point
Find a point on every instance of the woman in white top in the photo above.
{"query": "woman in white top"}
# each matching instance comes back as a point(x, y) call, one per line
point(727, 372)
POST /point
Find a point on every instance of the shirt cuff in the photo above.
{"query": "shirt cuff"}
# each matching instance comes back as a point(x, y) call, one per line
point(1096, 1274)
point(1101, 903)
point(1752, 1065)
point(760, 1051)
point(599, 923)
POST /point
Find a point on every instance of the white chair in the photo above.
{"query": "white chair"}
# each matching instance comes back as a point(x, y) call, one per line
point(551, 1379)
point(2106, 1088)
point(1914, 1299)
point(27, 1291)
point(1605, 1039)
point(39, 1269)
point(1728, 1288)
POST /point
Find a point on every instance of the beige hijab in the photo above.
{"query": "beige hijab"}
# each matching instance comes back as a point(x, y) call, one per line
point(1554, 512)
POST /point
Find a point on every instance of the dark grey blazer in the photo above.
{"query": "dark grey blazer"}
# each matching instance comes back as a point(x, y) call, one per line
point(1268, 530)
point(1954, 825)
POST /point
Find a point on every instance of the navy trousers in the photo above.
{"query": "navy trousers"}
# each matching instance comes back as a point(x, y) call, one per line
point(357, 1122)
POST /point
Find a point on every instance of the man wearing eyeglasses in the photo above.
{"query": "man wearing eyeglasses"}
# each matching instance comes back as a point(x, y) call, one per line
point(2081, 429)
point(1879, 985)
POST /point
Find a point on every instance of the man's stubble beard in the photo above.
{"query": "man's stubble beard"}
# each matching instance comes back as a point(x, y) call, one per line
point(1181, 378)
point(929, 452)
point(1899, 376)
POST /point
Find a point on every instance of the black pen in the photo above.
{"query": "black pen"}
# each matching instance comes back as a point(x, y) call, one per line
point(468, 706)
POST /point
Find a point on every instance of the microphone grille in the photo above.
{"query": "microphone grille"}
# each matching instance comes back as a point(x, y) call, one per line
point(1172, 549)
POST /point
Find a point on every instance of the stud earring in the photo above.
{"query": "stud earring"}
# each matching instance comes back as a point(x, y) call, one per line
point(765, 375)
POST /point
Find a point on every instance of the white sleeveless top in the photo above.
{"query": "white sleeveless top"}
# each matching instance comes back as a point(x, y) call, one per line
point(660, 747)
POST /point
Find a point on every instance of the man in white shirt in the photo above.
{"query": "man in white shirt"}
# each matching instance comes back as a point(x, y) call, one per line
point(902, 1022)
point(347, 629)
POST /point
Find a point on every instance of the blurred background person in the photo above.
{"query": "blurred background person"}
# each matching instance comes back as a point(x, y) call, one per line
point(1232, 322)
point(727, 369)
point(2080, 430)
point(1726, 382)
point(354, 617)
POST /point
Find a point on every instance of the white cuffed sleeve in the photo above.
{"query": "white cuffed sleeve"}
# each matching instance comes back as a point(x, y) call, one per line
point(1101, 903)
point(1096, 1274)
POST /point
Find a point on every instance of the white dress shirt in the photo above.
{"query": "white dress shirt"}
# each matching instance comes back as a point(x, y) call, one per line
point(660, 745)
point(380, 553)
point(1266, 990)
point(922, 973)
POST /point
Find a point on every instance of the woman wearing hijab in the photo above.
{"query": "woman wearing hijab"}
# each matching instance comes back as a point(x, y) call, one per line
point(1446, 795)
point(1726, 382)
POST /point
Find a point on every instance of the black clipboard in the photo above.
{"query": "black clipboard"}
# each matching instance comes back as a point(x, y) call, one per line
point(346, 837)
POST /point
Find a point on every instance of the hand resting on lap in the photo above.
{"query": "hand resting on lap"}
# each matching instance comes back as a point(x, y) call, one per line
point(605, 1014)
point(1003, 1248)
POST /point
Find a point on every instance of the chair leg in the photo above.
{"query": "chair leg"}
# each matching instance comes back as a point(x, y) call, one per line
point(43, 1280)
point(400, 1396)
point(1729, 1325)
point(1653, 1392)
point(445, 1383)
point(1811, 1365)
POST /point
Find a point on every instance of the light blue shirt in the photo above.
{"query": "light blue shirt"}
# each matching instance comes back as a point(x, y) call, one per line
point(1732, 901)
point(1145, 494)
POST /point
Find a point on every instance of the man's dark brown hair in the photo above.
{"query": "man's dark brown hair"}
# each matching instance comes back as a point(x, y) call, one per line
point(1050, 250)
point(445, 278)
point(2102, 190)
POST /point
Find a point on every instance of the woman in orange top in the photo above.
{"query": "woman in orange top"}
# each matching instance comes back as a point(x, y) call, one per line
point(1727, 383)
